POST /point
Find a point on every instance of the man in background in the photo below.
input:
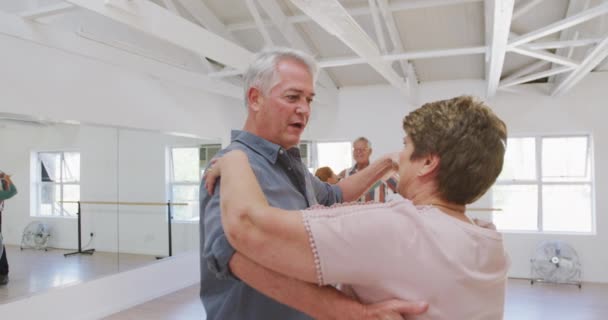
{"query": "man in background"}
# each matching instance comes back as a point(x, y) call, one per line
point(362, 150)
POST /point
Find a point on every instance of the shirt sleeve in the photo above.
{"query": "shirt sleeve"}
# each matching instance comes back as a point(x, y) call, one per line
point(10, 192)
point(351, 244)
point(217, 251)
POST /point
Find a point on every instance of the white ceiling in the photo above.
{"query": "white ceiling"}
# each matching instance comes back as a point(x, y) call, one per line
point(439, 39)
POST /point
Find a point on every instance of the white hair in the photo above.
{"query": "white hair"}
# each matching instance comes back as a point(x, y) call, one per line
point(262, 72)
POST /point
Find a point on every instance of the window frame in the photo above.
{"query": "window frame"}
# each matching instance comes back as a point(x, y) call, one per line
point(38, 183)
point(539, 183)
point(312, 162)
point(171, 174)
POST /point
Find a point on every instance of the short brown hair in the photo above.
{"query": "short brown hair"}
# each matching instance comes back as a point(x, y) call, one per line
point(324, 173)
point(469, 139)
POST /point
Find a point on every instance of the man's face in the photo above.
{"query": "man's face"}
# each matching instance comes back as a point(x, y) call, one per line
point(282, 114)
point(361, 152)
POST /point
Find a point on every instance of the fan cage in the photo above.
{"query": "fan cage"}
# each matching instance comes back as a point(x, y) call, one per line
point(555, 262)
point(35, 236)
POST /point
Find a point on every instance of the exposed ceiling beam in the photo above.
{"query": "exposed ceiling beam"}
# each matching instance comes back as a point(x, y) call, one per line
point(562, 24)
point(149, 18)
point(70, 43)
point(498, 14)
point(377, 26)
point(409, 55)
point(395, 5)
point(524, 8)
point(335, 19)
point(544, 55)
point(295, 39)
point(206, 18)
point(534, 76)
point(258, 22)
point(170, 5)
point(595, 57)
point(561, 44)
point(574, 7)
point(525, 70)
point(46, 11)
point(406, 66)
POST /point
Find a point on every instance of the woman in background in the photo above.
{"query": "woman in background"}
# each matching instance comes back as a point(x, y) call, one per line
point(7, 191)
point(325, 174)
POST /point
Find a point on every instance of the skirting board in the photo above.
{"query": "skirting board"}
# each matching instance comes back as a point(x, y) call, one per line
point(107, 295)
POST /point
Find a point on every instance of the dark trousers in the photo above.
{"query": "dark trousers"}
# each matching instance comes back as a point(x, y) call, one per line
point(3, 261)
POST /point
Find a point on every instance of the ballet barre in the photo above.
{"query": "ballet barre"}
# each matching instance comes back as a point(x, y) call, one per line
point(169, 204)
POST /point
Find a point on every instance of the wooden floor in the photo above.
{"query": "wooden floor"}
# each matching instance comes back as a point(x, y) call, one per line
point(524, 302)
point(34, 271)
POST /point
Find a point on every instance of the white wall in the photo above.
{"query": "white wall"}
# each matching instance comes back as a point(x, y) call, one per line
point(47, 82)
point(376, 112)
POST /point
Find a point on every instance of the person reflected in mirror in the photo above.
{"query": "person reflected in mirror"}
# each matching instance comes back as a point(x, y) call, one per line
point(421, 246)
point(7, 191)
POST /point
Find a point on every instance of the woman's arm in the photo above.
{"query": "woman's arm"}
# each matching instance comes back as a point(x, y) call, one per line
point(272, 237)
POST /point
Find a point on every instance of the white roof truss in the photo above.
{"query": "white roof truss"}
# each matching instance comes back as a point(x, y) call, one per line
point(406, 66)
point(409, 55)
point(574, 7)
point(253, 9)
point(597, 55)
point(377, 25)
point(152, 19)
point(524, 8)
point(206, 18)
point(562, 24)
point(498, 25)
point(394, 6)
point(535, 76)
point(544, 55)
point(46, 11)
point(291, 34)
point(335, 19)
point(524, 71)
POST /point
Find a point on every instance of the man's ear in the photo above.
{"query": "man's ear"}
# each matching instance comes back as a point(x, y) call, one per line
point(430, 165)
point(254, 99)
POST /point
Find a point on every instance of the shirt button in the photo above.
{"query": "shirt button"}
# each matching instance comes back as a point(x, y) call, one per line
point(281, 151)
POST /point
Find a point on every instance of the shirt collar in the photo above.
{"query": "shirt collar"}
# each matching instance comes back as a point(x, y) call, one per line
point(267, 149)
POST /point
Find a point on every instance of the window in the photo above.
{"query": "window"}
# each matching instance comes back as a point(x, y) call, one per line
point(336, 155)
point(187, 166)
point(58, 183)
point(546, 185)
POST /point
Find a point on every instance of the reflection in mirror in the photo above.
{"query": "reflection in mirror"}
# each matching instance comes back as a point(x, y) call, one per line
point(118, 181)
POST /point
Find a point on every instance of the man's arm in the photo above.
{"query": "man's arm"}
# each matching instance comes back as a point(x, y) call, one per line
point(318, 302)
point(355, 185)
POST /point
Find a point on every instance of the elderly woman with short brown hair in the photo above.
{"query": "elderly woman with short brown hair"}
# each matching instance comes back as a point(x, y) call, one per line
point(420, 247)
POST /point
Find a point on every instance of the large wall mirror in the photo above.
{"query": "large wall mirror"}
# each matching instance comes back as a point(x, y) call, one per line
point(95, 200)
